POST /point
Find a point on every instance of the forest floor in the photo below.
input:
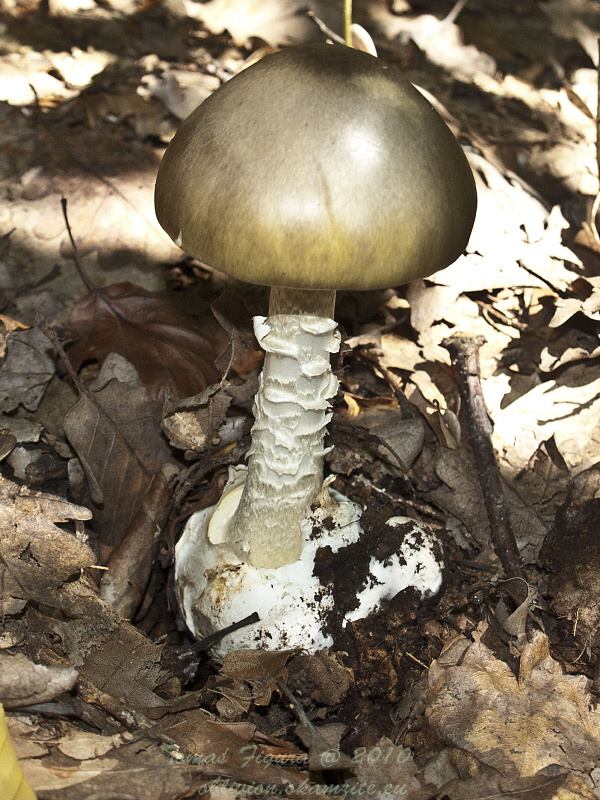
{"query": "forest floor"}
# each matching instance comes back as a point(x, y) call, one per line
point(126, 381)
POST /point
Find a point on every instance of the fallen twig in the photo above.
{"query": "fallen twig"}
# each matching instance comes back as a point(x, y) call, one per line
point(464, 354)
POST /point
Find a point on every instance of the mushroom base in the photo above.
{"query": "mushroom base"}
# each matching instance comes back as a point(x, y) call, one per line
point(299, 604)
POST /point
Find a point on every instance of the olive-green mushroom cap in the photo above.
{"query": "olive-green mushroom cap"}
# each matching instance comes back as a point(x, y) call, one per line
point(319, 167)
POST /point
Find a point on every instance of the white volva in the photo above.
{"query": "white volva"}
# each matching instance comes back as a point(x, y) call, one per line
point(216, 587)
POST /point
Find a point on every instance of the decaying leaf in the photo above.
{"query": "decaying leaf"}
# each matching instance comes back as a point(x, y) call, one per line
point(130, 562)
point(194, 422)
point(327, 679)
point(171, 355)
point(566, 408)
point(115, 432)
point(275, 21)
point(388, 768)
point(233, 749)
point(28, 369)
point(23, 683)
point(242, 353)
point(84, 745)
point(518, 725)
point(258, 668)
point(572, 553)
point(36, 554)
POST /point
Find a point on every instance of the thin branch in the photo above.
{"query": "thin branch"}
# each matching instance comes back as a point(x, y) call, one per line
point(80, 268)
point(213, 638)
point(464, 353)
point(450, 19)
point(324, 28)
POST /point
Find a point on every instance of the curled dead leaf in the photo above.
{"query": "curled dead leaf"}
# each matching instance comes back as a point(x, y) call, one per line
point(171, 354)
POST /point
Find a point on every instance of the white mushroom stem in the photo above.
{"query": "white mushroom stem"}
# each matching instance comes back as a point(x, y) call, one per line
point(291, 411)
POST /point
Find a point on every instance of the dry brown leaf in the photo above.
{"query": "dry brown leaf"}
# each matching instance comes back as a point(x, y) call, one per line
point(487, 783)
point(461, 495)
point(108, 652)
point(22, 734)
point(39, 562)
point(28, 369)
point(567, 408)
point(115, 432)
point(586, 237)
point(124, 772)
point(515, 240)
point(587, 302)
point(130, 562)
point(441, 41)
point(25, 80)
point(546, 483)
point(575, 19)
point(401, 439)
point(388, 768)
point(572, 553)
point(83, 745)
point(259, 668)
point(275, 21)
point(44, 777)
point(234, 748)
point(170, 354)
point(108, 180)
point(575, 345)
point(12, 324)
point(398, 352)
point(520, 725)
point(328, 679)
point(37, 555)
point(235, 701)
point(242, 353)
point(180, 91)
point(194, 423)
point(22, 682)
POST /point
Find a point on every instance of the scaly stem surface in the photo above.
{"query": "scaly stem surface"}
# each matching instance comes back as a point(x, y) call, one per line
point(291, 412)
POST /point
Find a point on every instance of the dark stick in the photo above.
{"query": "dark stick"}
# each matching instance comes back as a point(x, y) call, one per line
point(327, 31)
point(82, 273)
point(464, 353)
point(208, 641)
point(321, 755)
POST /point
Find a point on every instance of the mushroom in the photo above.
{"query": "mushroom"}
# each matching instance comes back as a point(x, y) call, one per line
point(316, 169)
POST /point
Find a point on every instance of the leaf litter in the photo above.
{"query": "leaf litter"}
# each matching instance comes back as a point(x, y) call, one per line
point(490, 690)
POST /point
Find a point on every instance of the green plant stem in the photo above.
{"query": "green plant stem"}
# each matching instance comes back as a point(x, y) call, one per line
point(348, 22)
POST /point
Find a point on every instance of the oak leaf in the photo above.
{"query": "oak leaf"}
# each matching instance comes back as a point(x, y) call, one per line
point(170, 353)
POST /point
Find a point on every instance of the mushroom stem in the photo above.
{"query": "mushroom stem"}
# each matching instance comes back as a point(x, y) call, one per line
point(291, 412)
